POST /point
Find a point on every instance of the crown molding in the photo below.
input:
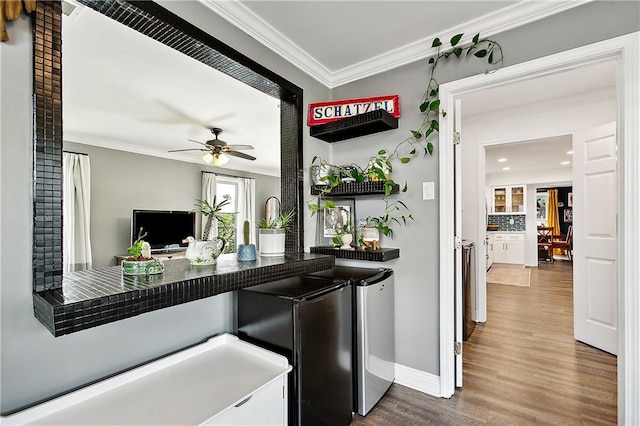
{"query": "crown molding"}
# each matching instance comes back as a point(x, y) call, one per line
point(513, 16)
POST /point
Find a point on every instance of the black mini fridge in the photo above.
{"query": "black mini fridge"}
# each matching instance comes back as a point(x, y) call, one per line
point(308, 320)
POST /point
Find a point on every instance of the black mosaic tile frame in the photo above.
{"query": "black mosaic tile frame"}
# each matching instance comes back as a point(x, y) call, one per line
point(100, 296)
point(156, 22)
point(380, 255)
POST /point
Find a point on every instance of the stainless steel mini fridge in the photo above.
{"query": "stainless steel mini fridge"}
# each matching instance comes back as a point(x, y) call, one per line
point(308, 320)
point(374, 337)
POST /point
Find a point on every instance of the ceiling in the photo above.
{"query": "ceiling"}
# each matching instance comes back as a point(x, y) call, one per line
point(125, 91)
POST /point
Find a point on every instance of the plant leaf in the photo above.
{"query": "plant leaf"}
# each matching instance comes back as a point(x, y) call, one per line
point(412, 152)
point(436, 42)
point(490, 58)
point(480, 53)
point(428, 132)
point(416, 134)
point(424, 106)
point(430, 148)
point(455, 39)
point(457, 51)
point(330, 204)
point(404, 188)
point(435, 105)
point(435, 125)
point(431, 60)
point(405, 160)
point(382, 152)
point(476, 38)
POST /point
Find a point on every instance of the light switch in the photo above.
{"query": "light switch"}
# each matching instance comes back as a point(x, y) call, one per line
point(428, 191)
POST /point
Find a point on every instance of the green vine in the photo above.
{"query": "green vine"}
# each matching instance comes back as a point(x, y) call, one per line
point(380, 165)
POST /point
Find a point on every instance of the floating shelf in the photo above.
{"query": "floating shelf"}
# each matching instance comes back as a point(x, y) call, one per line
point(355, 188)
point(353, 127)
point(380, 255)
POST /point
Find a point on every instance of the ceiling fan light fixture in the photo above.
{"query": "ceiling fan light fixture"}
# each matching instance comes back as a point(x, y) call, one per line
point(220, 160)
point(207, 157)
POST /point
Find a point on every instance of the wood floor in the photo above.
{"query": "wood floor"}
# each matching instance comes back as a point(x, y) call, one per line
point(521, 367)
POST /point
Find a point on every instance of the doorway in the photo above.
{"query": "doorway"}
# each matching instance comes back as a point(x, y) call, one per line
point(618, 49)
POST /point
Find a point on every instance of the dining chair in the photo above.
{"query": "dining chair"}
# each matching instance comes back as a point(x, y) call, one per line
point(565, 245)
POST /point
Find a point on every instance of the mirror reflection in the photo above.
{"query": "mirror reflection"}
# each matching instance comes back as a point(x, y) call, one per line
point(129, 100)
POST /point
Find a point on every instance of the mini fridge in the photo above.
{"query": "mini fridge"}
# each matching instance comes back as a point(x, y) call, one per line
point(374, 337)
point(308, 320)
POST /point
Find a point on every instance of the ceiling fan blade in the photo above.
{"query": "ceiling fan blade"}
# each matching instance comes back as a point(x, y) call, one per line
point(240, 155)
point(192, 149)
point(239, 147)
point(191, 140)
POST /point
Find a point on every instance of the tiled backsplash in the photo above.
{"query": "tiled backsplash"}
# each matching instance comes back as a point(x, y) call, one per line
point(503, 221)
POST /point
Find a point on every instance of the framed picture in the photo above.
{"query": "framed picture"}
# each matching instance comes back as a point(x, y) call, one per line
point(568, 216)
point(343, 213)
point(570, 200)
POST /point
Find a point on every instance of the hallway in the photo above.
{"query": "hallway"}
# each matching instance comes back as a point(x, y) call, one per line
point(521, 367)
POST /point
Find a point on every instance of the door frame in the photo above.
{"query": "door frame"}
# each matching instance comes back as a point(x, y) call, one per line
point(625, 50)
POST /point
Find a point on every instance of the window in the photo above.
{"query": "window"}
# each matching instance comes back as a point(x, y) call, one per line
point(227, 228)
point(541, 208)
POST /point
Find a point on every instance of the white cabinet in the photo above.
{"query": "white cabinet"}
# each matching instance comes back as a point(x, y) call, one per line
point(509, 199)
point(508, 248)
point(223, 381)
point(490, 256)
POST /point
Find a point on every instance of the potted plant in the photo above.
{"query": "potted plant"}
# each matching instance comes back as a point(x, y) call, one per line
point(344, 235)
point(246, 251)
point(271, 234)
point(140, 261)
point(211, 211)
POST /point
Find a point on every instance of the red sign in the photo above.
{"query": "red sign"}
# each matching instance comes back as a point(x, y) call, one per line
point(326, 112)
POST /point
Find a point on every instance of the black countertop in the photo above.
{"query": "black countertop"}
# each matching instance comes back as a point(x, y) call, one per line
point(99, 296)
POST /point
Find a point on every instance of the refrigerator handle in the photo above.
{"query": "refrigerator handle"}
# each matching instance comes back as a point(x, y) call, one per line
point(324, 292)
point(383, 275)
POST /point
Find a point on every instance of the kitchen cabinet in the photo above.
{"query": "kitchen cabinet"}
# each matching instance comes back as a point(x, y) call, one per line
point(490, 256)
point(508, 248)
point(509, 199)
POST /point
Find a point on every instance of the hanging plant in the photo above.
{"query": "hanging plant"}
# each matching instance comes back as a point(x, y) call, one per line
point(380, 166)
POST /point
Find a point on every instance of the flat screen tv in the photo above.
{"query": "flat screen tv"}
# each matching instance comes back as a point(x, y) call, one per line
point(165, 228)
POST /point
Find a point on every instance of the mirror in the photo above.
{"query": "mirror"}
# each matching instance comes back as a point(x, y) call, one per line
point(271, 209)
point(157, 23)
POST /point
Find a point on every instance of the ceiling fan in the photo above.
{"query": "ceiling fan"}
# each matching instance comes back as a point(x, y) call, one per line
point(217, 150)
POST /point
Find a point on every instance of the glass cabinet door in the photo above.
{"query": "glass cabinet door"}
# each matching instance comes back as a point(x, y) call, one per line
point(499, 200)
point(517, 199)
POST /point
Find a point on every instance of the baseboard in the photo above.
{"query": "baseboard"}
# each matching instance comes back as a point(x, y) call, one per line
point(418, 380)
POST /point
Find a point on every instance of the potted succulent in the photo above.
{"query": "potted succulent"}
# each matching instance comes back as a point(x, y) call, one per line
point(246, 251)
point(271, 234)
point(140, 261)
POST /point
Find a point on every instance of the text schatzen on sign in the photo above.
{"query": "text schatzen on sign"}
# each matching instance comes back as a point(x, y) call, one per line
point(326, 112)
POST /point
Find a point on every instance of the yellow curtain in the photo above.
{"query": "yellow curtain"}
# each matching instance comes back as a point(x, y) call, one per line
point(553, 221)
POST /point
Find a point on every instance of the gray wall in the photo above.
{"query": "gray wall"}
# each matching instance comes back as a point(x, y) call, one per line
point(417, 325)
point(35, 365)
point(161, 184)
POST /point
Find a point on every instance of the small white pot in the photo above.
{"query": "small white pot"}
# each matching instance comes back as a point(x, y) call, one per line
point(346, 241)
point(271, 242)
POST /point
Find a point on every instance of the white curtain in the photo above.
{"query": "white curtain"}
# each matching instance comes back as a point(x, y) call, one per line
point(76, 253)
point(209, 188)
point(246, 209)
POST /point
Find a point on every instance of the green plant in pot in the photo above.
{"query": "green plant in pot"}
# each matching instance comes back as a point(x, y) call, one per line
point(140, 261)
point(271, 234)
point(246, 251)
point(344, 236)
point(211, 211)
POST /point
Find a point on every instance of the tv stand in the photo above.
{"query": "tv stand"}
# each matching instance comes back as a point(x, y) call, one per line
point(162, 254)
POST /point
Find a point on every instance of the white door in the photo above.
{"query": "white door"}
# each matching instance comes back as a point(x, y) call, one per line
point(457, 155)
point(595, 237)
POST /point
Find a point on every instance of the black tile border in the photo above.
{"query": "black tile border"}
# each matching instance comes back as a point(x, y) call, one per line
point(156, 22)
point(112, 297)
point(356, 188)
point(380, 255)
